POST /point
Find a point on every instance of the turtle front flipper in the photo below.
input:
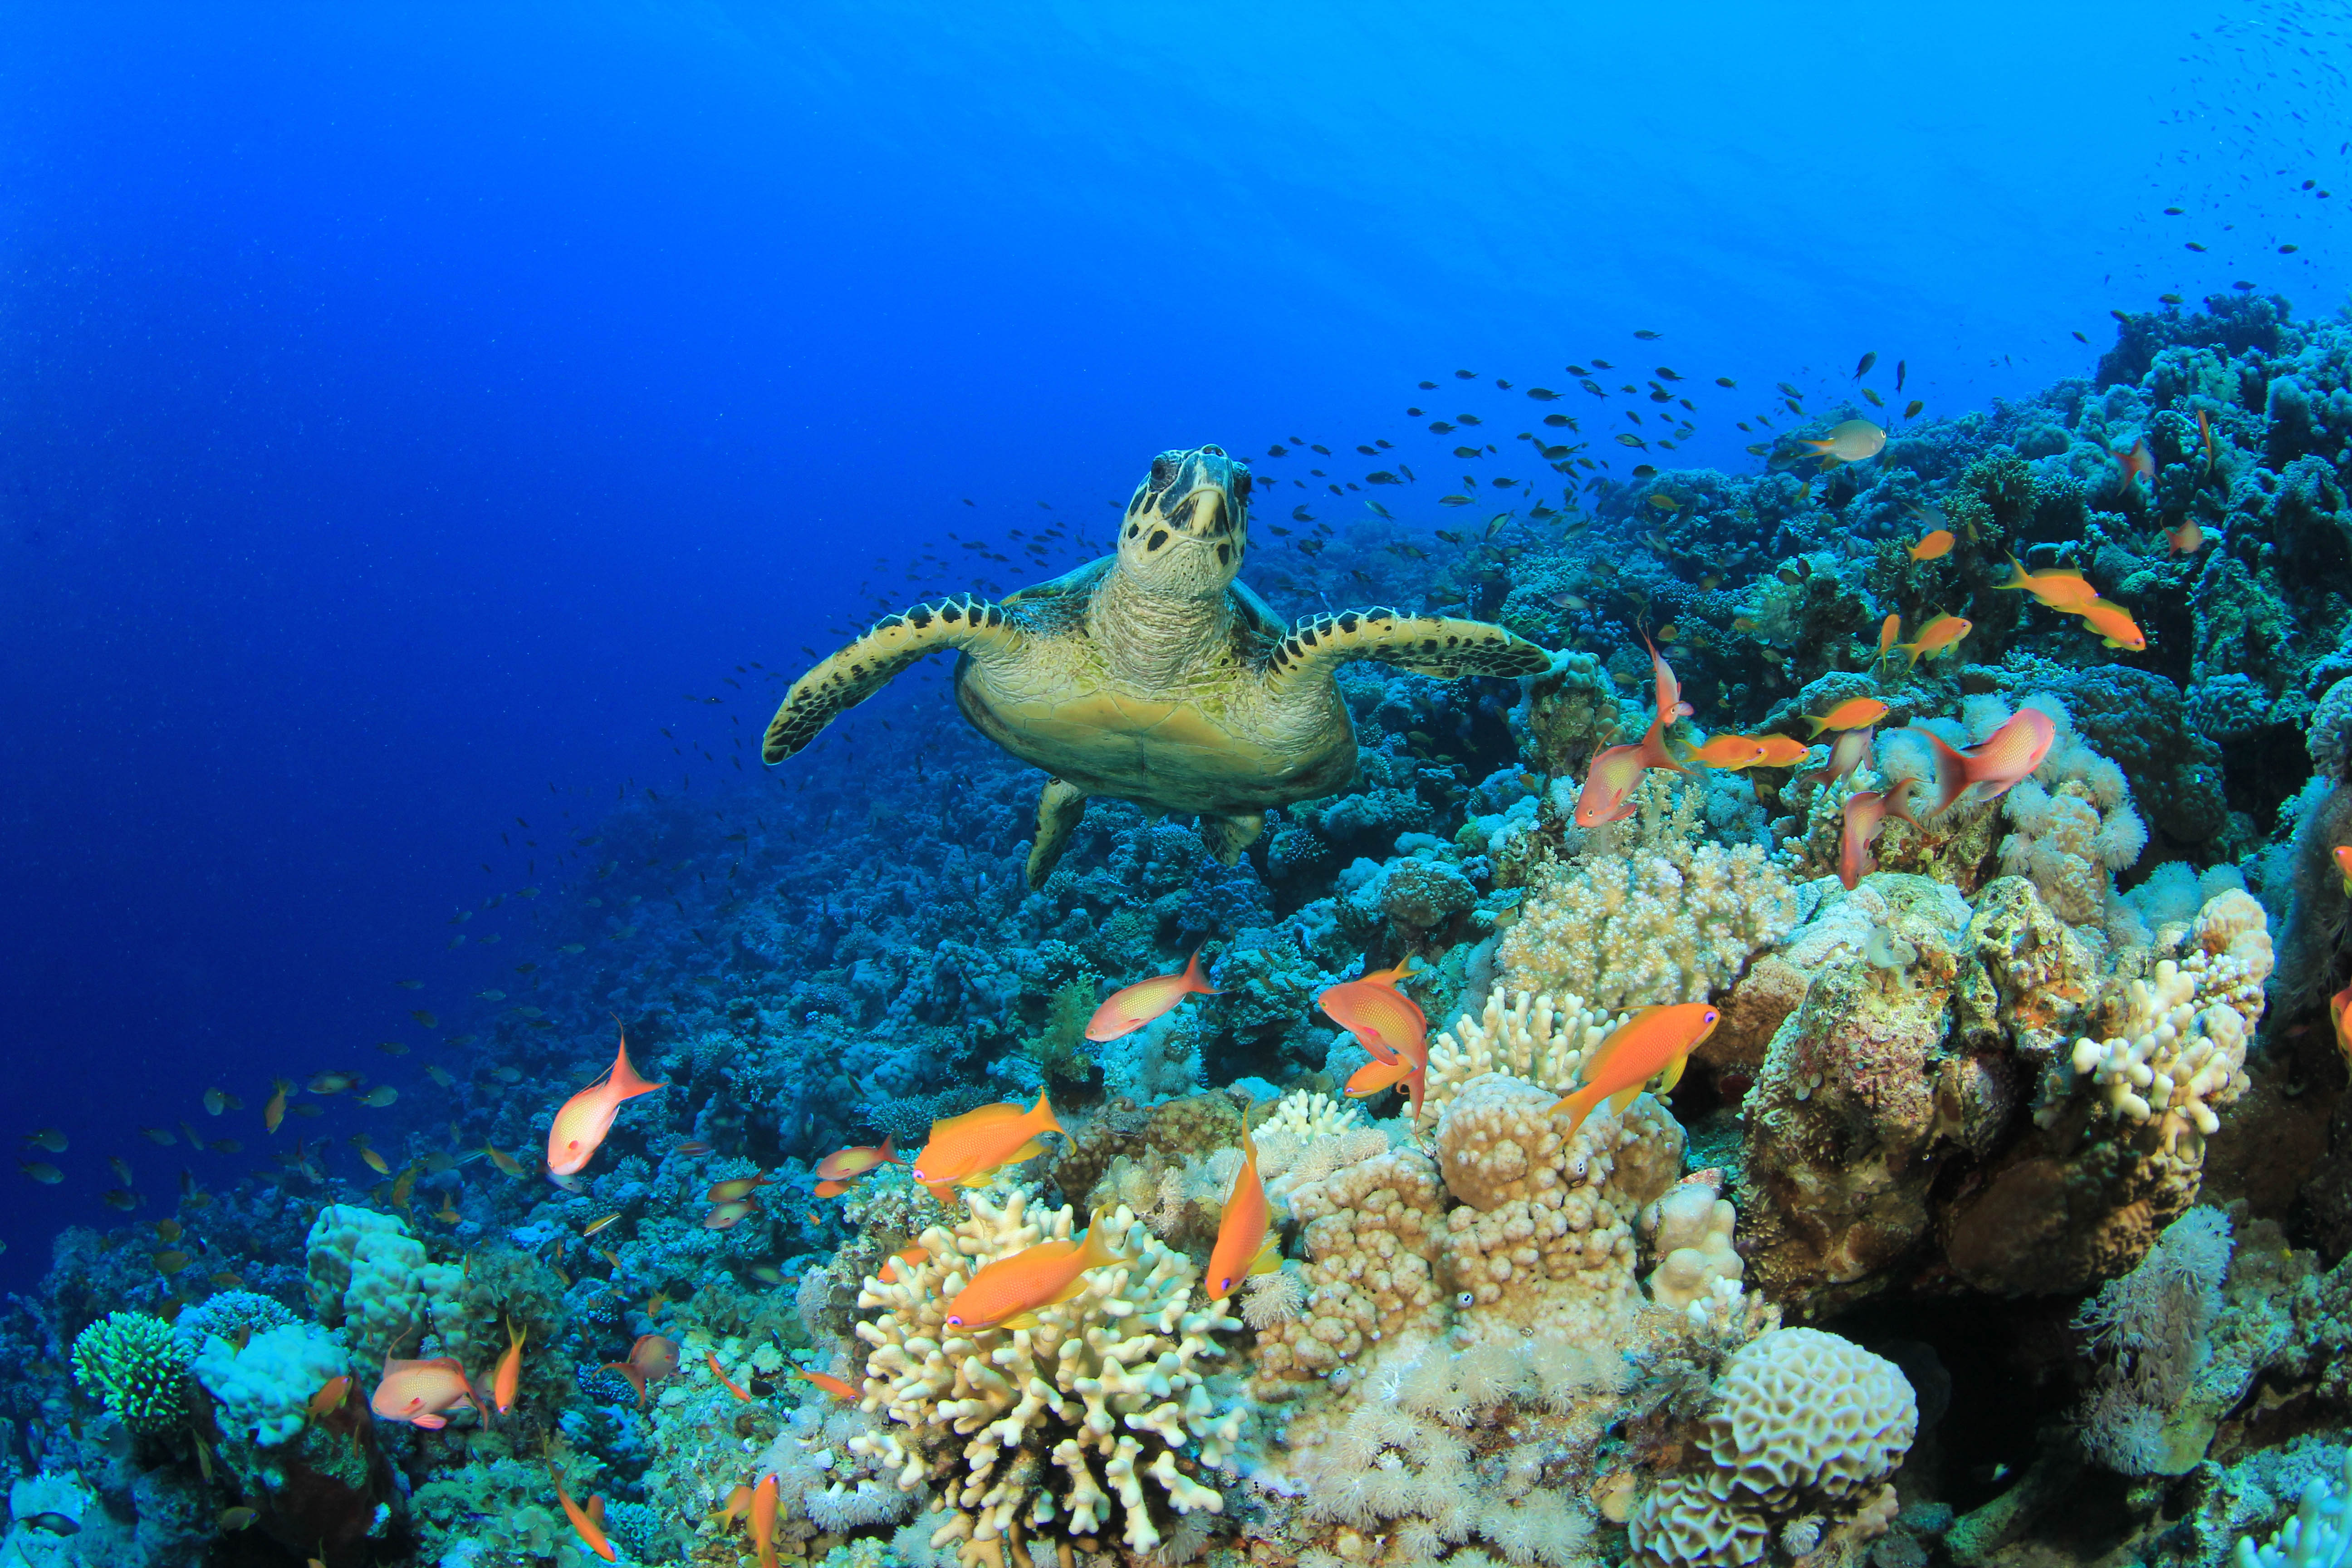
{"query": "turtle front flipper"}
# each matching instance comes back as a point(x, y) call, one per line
point(1059, 811)
point(887, 647)
point(1444, 647)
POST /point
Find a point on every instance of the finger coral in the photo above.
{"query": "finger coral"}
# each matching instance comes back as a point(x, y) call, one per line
point(1541, 1038)
point(1097, 1418)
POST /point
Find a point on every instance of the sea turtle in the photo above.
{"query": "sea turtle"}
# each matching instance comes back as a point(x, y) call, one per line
point(1151, 675)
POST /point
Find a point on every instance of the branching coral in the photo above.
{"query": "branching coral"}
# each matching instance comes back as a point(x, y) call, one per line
point(1541, 1038)
point(130, 1361)
point(1672, 919)
point(2179, 1053)
point(1090, 1417)
point(2318, 1536)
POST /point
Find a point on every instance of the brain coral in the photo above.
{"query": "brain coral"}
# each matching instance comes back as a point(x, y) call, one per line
point(1063, 1426)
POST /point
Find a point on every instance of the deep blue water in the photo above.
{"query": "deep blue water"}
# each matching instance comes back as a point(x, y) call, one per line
point(406, 410)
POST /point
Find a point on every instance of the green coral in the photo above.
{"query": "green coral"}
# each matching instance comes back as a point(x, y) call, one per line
point(1059, 1049)
point(131, 1360)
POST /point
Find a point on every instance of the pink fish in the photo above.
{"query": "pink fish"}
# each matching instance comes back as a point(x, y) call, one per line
point(417, 1392)
point(580, 1127)
point(1848, 751)
point(1865, 818)
point(1608, 795)
point(1987, 770)
point(1129, 1009)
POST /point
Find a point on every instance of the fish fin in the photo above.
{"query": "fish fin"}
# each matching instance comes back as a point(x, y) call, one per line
point(1625, 1097)
point(1672, 1075)
point(1269, 1255)
point(427, 1419)
point(1021, 1320)
point(1042, 1113)
point(1029, 1150)
point(1578, 1105)
point(1442, 647)
point(984, 629)
point(625, 1081)
point(1951, 768)
point(1226, 836)
point(889, 1150)
point(596, 1510)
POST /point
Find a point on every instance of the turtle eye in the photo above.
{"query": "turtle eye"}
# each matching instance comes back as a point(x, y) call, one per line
point(1162, 470)
point(1242, 486)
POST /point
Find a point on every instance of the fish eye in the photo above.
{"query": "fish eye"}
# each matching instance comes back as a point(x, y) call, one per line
point(1465, 1299)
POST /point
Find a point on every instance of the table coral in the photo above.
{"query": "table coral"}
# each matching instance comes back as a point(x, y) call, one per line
point(1070, 1426)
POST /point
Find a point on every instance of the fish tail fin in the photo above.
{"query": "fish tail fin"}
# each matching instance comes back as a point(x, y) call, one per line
point(1818, 725)
point(625, 1079)
point(1951, 768)
point(1898, 802)
point(1578, 1105)
point(1913, 649)
point(1043, 1114)
point(890, 1149)
point(1194, 981)
point(1098, 1249)
point(2018, 575)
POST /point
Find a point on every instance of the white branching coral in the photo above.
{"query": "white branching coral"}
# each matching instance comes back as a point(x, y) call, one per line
point(1541, 1038)
point(2318, 1536)
point(1669, 918)
point(1090, 1417)
point(1306, 1115)
point(2180, 1053)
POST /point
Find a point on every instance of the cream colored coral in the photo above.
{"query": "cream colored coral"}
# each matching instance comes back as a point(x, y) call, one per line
point(1306, 1115)
point(1542, 1038)
point(1689, 1231)
point(2180, 1053)
point(1799, 1413)
point(1063, 1427)
point(371, 1277)
point(1681, 1525)
point(1544, 1240)
point(1674, 924)
point(1370, 1230)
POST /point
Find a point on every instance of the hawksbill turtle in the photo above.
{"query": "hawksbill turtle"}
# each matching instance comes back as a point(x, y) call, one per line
point(1153, 675)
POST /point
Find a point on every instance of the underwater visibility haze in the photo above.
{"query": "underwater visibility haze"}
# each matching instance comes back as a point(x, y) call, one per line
point(898, 785)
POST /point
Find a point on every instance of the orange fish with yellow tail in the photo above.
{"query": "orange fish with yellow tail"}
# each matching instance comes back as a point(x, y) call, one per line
point(509, 1377)
point(1609, 784)
point(1653, 1041)
point(1246, 1242)
point(1729, 753)
point(720, 1373)
point(1384, 1020)
point(1009, 1292)
point(275, 1111)
point(1853, 713)
point(581, 1126)
point(2061, 588)
point(828, 1382)
point(2112, 622)
point(1865, 818)
point(848, 1164)
point(1933, 546)
point(1129, 1009)
point(2338, 1007)
point(1943, 632)
point(588, 1523)
point(1988, 769)
point(2341, 855)
point(1781, 751)
point(763, 1520)
point(965, 1151)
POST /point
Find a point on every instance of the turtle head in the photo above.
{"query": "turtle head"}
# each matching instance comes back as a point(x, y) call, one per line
point(1187, 527)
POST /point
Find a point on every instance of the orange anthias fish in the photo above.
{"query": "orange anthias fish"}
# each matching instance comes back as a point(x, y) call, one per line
point(719, 1373)
point(1731, 753)
point(2137, 463)
point(2112, 622)
point(909, 1256)
point(1933, 546)
point(763, 1520)
point(1781, 751)
point(726, 1216)
point(1007, 1293)
point(828, 1382)
point(2186, 540)
point(2338, 1006)
point(1609, 784)
point(1128, 1010)
point(417, 1392)
point(1653, 1041)
point(1247, 1241)
point(735, 1190)
point(588, 1521)
point(1943, 632)
point(848, 1164)
point(2205, 438)
point(275, 1111)
point(587, 1116)
point(2061, 588)
point(1888, 631)
point(1384, 1020)
point(509, 1377)
point(1988, 769)
point(1865, 818)
point(965, 1151)
point(329, 1397)
point(651, 1359)
point(2343, 856)
point(1853, 713)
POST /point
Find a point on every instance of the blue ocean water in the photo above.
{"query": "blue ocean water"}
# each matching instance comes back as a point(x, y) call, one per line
point(425, 428)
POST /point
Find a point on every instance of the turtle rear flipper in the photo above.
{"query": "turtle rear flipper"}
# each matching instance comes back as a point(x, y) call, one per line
point(887, 647)
point(1227, 836)
point(1445, 647)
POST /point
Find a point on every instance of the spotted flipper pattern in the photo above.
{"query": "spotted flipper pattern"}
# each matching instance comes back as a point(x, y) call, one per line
point(887, 647)
point(1445, 647)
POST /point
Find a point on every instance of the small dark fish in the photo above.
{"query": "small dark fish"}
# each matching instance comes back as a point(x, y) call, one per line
point(1726, 380)
point(1867, 361)
point(1900, 367)
point(1646, 335)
